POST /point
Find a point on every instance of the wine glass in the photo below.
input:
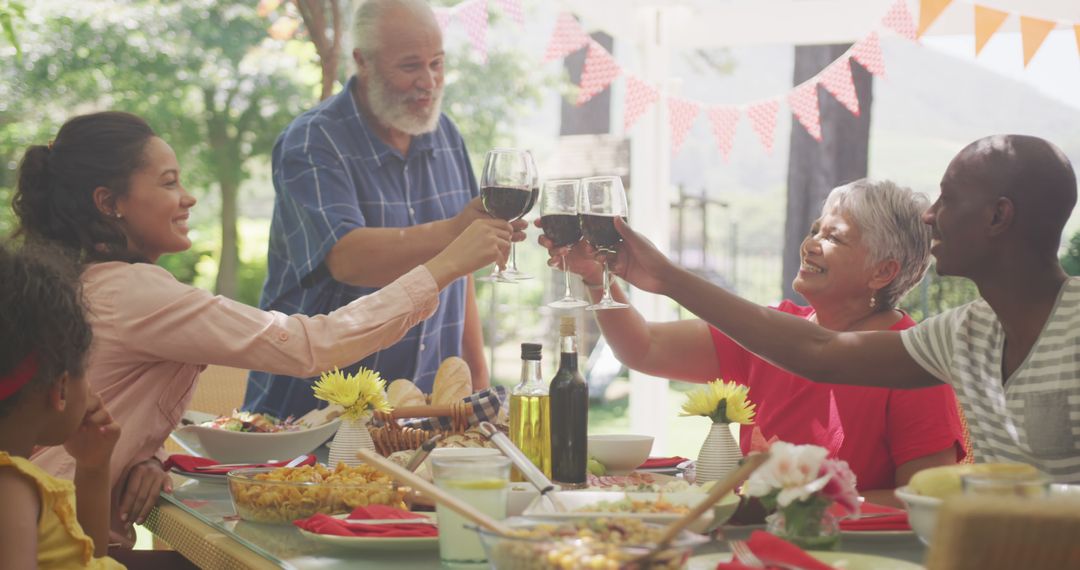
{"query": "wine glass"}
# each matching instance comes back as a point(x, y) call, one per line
point(512, 272)
point(602, 199)
point(559, 218)
point(505, 190)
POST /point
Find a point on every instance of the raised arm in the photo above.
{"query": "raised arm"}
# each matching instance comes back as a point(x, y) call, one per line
point(158, 318)
point(679, 350)
point(859, 358)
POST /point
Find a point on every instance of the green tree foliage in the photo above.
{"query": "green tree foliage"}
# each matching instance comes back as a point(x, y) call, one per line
point(10, 12)
point(937, 294)
point(1071, 259)
point(202, 72)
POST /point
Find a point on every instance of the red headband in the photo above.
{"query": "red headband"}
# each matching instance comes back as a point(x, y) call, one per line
point(18, 377)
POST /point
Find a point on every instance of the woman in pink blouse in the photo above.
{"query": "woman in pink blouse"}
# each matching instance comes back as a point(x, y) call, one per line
point(109, 190)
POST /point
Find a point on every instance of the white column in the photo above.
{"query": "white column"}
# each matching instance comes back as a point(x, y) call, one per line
point(650, 200)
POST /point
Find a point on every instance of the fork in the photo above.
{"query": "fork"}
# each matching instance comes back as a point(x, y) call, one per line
point(744, 554)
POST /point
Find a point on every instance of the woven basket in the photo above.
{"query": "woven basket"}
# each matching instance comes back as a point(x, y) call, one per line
point(391, 436)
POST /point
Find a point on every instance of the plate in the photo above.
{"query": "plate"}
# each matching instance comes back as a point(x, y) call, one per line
point(576, 503)
point(845, 560)
point(375, 543)
point(217, 478)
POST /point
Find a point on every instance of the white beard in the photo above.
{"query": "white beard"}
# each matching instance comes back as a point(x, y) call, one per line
point(392, 109)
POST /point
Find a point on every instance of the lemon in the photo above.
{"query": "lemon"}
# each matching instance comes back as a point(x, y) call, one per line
point(476, 484)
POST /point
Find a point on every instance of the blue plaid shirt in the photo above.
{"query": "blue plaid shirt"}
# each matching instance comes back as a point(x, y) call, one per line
point(333, 175)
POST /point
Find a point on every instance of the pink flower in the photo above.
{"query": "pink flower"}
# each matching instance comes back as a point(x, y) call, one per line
point(841, 485)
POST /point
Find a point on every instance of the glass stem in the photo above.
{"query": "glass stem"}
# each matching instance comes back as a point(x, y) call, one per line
point(513, 257)
point(607, 286)
point(567, 294)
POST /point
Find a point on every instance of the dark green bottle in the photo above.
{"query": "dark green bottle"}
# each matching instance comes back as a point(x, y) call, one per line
point(569, 413)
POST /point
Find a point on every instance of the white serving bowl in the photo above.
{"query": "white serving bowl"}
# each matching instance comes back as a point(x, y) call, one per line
point(578, 503)
point(244, 447)
point(620, 454)
point(922, 512)
point(520, 496)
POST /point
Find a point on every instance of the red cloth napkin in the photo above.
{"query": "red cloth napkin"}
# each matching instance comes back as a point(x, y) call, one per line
point(322, 524)
point(771, 549)
point(895, 519)
point(661, 462)
point(188, 463)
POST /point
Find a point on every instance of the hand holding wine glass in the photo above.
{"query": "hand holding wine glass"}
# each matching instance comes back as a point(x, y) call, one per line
point(562, 228)
point(602, 200)
point(506, 189)
point(485, 241)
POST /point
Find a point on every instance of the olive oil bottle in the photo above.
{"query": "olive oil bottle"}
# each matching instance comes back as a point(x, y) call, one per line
point(530, 413)
point(569, 413)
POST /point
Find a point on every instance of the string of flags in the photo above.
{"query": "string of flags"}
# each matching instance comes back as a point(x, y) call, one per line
point(601, 69)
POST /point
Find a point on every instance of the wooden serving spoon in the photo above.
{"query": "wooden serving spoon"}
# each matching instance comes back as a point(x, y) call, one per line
point(749, 464)
point(431, 491)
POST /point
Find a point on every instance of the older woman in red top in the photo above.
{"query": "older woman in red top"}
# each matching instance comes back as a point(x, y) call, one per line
point(862, 255)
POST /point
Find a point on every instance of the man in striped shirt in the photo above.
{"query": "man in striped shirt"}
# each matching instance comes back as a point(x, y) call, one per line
point(369, 184)
point(1013, 356)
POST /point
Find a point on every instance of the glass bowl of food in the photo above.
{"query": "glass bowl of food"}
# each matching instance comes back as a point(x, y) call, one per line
point(606, 542)
point(285, 494)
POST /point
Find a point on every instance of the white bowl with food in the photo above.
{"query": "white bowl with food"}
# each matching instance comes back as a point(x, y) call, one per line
point(922, 512)
point(620, 454)
point(226, 445)
point(658, 508)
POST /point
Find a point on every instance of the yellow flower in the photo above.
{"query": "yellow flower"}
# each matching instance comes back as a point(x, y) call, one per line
point(723, 402)
point(358, 393)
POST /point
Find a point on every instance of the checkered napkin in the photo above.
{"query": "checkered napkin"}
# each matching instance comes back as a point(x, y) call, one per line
point(485, 408)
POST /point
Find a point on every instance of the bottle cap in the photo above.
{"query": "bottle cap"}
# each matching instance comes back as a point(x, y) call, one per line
point(530, 351)
point(566, 326)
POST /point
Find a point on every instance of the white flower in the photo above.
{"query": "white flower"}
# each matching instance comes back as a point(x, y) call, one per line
point(794, 471)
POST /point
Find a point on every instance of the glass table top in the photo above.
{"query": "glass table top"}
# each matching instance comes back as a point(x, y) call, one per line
point(287, 547)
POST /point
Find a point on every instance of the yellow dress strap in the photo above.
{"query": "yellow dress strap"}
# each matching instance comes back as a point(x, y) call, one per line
point(57, 497)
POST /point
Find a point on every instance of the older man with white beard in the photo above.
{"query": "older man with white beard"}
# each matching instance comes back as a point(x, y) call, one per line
point(369, 184)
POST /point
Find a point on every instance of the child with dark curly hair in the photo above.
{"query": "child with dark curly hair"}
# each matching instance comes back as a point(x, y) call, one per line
point(45, 400)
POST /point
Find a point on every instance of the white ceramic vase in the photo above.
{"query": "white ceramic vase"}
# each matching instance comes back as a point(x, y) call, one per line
point(719, 455)
point(351, 436)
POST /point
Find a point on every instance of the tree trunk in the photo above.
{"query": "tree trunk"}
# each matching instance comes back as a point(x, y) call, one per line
point(227, 164)
point(815, 168)
point(313, 13)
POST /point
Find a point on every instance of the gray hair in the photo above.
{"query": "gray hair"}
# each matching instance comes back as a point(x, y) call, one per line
point(889, 218)
point(366, 15)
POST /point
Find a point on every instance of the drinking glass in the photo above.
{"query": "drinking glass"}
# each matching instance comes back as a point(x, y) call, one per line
point(1034, 485)
point(482, 482)
point(512, 272)
point(506, 189)
point(559, 218)
point(602, 200)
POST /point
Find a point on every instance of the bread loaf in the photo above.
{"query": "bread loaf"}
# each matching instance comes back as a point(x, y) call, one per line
point(453, 382)
point(403, 393)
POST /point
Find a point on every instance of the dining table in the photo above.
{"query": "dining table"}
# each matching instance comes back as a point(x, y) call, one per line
point(198, 520)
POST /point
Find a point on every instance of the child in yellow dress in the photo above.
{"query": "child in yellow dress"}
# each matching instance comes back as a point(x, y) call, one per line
point(45, 400)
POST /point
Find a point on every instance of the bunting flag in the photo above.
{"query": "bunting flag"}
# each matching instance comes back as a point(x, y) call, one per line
point(867, 52)
point(836, 79)
point(929, 10)
point(804, 105)
point(723, 121)
point(639, 96)
point(599, 71)
point(1034, 32)
point(1076, 30)
point(682, 113)
point(443, 17)
point(474, 16)
point(898, 19)
point(567, 38)
point(987, 21)
point(763, 120)
point(513, 9)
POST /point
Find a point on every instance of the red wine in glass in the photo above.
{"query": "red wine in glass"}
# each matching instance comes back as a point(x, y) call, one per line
point(561, 229)
point(600, 232)
point(504, 202)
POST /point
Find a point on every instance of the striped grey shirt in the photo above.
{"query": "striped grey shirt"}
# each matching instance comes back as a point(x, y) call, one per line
point(1034, 417)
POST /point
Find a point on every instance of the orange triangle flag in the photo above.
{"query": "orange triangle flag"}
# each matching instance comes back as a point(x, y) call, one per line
point(1076, 29)
point(929, 10)
point(1034, 32)
point(987, 21)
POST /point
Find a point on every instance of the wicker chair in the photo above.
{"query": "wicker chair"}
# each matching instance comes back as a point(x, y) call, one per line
point(219, 391)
